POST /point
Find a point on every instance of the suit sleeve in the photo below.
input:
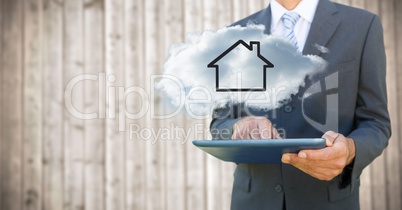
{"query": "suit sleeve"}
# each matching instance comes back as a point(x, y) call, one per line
point(224, 118)
point(372, 122)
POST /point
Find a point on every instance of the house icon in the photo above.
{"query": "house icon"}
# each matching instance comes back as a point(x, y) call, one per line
point(222, 79)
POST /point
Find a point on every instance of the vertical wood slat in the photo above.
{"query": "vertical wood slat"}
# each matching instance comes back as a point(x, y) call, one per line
point(136, 190)
point(73, 123)
point(154, 160)
point(213, 166)
point(32, 140)
point(365, 189)
point(254, 7)
point(392, 153)
point(12, 105)
point(240, 9)
point(2, 114)
point(134, 70)
point(398, 42)
point(52, 104)
point(130, 61)
point(156, 98)
point(378, 191)
point(225, 16)
point(115, 142)
point(175, 174)
point(372, 6)
point(196, 192)
point(94, 100)
point(357, 3)
point(194, 158)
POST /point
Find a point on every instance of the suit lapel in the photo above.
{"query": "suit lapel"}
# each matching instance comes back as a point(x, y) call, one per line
point(322, 28)
point(264, 18)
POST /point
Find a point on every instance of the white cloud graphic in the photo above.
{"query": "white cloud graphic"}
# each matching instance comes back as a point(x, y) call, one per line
point(194, 84)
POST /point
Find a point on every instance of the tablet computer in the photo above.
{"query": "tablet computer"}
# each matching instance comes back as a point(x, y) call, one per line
point(257, 151)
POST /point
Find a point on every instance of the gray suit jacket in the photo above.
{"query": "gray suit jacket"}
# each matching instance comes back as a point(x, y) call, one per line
point(355, 40)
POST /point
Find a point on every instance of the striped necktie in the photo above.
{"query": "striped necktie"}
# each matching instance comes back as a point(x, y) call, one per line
point(289, 21)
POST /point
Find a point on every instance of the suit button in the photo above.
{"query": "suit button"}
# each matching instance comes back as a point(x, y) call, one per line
point(278, 188)
point(288, 108)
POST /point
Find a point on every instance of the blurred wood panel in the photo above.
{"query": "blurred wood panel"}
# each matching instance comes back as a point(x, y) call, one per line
point(115, 141)
point(214, 198)
point(155, 159)
point(371, 6)
point(172, 25)
point(53, 142)
point(73, 61)
point(94, 135)
point(1, 103)
point(392, 161)
point(194, 158)
point(54, 159)
point(32, 145)
point(135, 154)
point(12, 105)
point(94, 103)
point(398, 97)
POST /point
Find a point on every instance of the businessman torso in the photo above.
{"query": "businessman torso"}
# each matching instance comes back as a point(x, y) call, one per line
point(350, 40)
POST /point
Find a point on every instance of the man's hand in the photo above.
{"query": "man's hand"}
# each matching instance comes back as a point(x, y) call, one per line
point(252, 127)
point(327, 163)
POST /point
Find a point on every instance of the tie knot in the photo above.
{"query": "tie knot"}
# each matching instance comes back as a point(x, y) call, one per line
point(290, 19)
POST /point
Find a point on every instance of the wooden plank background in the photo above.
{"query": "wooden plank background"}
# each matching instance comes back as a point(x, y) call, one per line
point(51, 159)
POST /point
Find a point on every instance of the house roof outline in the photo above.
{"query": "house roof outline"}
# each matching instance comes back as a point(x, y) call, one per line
point(268, 64)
